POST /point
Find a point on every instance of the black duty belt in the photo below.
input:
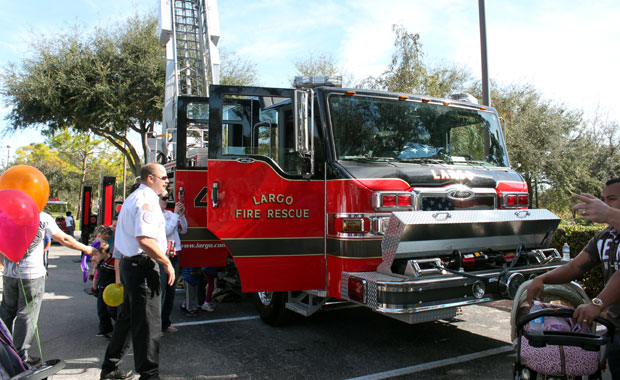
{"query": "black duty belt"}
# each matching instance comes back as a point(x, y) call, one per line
point(135, 257)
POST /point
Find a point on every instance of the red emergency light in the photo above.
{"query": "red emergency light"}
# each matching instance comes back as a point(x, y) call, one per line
point(514, 200)
point(392, 201)
point(356, 289)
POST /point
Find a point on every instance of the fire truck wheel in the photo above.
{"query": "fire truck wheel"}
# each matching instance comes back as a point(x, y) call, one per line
point(270, 307)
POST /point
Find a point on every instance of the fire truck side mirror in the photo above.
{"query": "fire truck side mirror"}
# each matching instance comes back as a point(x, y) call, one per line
point(304, 134)
point(302, 138)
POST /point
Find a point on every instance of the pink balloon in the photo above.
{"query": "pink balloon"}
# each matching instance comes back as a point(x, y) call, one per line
point(19, 223)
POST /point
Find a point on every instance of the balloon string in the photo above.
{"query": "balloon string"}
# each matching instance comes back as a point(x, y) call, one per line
point(31, 311)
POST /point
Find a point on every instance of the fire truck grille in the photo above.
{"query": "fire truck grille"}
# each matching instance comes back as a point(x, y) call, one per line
point(442, 203)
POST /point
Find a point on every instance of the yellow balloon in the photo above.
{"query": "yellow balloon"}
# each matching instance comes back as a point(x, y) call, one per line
point(113, 295)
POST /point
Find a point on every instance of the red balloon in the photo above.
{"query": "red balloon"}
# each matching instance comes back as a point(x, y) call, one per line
point(28, 179)
point(19, 223)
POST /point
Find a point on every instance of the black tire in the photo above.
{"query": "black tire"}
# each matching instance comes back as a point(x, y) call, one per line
point(517, 372)
point(270, 307)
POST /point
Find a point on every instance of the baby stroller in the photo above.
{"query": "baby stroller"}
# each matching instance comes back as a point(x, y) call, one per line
point(564, 349)
point(12, 367)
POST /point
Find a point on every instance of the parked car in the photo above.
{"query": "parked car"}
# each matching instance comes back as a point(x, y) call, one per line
point(58, 209)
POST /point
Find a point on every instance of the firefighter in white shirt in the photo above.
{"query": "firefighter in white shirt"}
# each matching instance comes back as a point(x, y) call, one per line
point(140, 239)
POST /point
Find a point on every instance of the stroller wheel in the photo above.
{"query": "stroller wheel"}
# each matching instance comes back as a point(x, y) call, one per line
point(521, 372)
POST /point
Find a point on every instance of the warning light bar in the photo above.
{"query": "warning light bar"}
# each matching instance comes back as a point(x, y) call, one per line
point(317, 81)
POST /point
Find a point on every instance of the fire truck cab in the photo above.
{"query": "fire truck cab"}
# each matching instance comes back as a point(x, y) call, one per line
point(400, 203)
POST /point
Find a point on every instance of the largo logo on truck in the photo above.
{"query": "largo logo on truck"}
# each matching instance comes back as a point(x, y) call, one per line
point(277, 200)
point(452, 174)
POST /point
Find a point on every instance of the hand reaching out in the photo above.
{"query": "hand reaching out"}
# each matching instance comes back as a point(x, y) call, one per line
point(592, 208)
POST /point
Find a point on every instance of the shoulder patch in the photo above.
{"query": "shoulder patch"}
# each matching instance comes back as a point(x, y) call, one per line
point(147, 217)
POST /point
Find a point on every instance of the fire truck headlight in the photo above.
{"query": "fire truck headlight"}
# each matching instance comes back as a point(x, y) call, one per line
point(478, 289)
point(356, 289)
point(512, 285)
point(353, 225)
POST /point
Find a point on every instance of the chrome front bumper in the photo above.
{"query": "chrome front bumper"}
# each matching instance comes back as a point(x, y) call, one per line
point(430, 297)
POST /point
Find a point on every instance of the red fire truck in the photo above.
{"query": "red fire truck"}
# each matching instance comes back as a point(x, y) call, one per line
point(401, 203)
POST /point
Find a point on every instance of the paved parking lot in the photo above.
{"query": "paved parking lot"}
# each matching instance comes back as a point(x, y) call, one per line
point(232, 342)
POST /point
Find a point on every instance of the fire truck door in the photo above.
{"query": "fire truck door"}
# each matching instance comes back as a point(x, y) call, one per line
point(269, 216)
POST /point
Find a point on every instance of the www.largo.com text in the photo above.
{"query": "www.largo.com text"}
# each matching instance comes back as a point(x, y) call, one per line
point(202, 245)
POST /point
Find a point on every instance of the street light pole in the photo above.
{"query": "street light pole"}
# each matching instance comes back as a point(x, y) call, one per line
point(8, 155)
point(486, 96)
point(124, 175)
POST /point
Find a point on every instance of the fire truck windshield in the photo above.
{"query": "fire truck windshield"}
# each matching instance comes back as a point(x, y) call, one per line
point(387, 129)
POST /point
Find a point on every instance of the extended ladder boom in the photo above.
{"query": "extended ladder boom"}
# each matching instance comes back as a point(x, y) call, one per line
point(190, 30)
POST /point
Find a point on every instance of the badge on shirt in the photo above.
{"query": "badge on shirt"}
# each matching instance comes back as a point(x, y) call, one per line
point(147, 216)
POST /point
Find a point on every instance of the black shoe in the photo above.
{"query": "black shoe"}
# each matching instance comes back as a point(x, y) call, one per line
point(116, 374)
point(183, 308)
point(192, 313)
point(103, 334)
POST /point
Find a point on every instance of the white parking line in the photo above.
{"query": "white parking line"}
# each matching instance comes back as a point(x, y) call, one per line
point(221, 320)
point(435, 364)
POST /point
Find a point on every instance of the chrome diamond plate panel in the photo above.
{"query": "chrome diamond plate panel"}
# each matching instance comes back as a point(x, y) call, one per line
point(390, 242)
point(426, 316)
point(428, 233)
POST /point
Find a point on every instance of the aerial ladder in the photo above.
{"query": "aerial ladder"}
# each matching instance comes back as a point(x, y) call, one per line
point(190, 30)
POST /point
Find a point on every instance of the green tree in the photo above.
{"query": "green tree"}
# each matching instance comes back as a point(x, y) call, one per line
point(71, 161)
point(237, 71)
point(106, 82)
point(317, 64)
point(544, 144)
point(49, 162)
point(321, 64)
point(82, 153)
point(408, 73)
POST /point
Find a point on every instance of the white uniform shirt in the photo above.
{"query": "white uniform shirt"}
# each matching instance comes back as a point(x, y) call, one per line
point(32, 265)
point(140, 216)
point(69, 221)
point(175, 224)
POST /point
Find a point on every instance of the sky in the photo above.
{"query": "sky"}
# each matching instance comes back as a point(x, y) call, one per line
point(567, 49)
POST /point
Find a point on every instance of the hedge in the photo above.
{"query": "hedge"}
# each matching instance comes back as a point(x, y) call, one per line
point(577, 236)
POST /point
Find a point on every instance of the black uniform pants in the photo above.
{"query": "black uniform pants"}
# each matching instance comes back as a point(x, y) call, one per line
point(139, 316)
point(106, 313)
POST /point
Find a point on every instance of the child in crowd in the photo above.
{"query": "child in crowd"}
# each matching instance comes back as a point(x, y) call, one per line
point(104, 233)
point(106, 275)
point(210, 274)
point(191, 280)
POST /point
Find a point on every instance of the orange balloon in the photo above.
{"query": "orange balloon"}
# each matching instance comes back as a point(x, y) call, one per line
point(29, 180)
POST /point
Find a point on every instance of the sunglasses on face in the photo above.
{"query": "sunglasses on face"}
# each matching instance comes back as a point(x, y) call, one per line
point(165, 199)
point(163, 178)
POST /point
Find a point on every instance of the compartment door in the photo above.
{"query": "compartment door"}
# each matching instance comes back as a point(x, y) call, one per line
point(260, 205)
